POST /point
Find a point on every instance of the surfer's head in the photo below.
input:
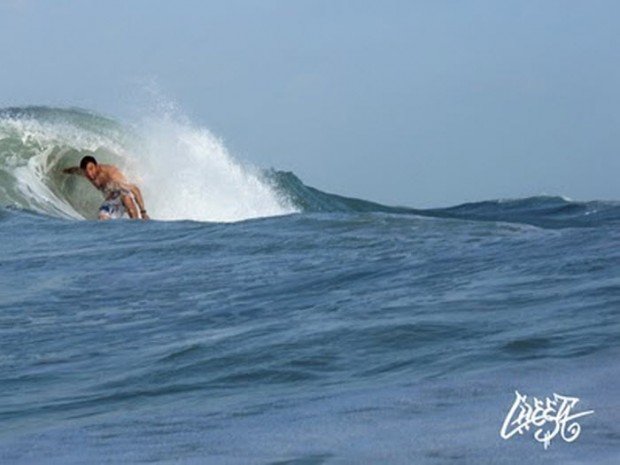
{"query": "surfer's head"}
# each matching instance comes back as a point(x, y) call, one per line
point(89, 166)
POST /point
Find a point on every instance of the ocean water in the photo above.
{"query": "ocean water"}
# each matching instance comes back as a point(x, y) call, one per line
point(257, 320)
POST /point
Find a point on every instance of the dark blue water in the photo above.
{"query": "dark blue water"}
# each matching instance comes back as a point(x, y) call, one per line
point(324, 337)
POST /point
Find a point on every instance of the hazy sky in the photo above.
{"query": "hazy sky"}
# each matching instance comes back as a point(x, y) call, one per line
point(423, 103)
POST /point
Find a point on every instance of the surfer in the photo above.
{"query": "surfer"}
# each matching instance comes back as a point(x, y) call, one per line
point(120, 195)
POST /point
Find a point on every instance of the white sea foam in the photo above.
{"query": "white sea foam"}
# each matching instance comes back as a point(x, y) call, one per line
point(187, 173)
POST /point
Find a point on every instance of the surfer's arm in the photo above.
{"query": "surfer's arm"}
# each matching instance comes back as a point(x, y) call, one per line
point(73, 170)
point(135, 190)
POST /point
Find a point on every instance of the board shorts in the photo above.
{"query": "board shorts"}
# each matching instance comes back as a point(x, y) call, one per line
point(113, 208)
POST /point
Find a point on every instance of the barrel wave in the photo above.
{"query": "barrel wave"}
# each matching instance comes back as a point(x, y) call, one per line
point(184, 171)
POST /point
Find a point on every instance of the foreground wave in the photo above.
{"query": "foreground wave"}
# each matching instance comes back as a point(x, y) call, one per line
point(187, 173)
point(316, 338)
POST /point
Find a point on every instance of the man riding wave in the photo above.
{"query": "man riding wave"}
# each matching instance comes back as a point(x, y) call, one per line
point(121, 196)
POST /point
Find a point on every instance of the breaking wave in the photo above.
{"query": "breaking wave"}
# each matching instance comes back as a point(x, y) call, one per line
point(186, 173)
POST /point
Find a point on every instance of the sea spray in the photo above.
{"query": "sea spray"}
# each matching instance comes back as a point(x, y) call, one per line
point(187, 173)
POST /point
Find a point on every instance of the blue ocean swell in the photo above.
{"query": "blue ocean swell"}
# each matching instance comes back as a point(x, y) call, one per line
point(170, 310)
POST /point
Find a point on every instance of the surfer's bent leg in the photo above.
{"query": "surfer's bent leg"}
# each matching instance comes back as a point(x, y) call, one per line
point(129, 203)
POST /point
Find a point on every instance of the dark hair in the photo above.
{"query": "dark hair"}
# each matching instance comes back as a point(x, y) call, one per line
point(86, 160)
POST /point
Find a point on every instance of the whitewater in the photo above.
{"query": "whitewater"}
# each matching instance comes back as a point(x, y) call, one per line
point(259, 320)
